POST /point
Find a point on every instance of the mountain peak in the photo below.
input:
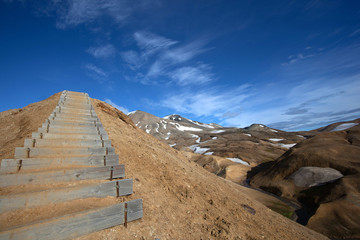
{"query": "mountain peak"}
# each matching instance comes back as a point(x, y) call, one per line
point(174, 117)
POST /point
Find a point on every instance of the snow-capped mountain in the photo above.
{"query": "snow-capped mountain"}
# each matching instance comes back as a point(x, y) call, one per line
point(236, 144)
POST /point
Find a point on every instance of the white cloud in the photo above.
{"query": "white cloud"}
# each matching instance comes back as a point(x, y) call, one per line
point(185, 53)
point(357, 31)
point(307, 94)
point(151, 43)
point(123, 109)
point(175, 56)
point(96, 73)
point(306, 105)
point(300, 56)
point(133, 59)
point(190, 75)
point(76, 12)
point(158, 56)
point(208, 102)
point(96, 70)
point(104, 51)
point(317, 91)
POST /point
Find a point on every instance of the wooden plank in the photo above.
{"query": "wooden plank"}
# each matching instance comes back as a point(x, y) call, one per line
point(94, 136)
point(72, 130)
point(108, 172)
point(26, 152)
point(35, 142)
point(13, 165)
point(35, 199)
point(74, 225)
point(134, 210)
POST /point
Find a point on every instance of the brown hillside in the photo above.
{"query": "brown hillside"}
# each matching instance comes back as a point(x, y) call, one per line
point(335, 205)
point(18, 124)
point(181, 200)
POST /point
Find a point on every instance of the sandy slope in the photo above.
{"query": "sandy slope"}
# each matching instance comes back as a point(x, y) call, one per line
point(18, 124)
point(181, 199)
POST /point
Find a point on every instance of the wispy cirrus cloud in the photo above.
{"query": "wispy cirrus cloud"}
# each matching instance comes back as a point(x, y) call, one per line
point(209, 101)
point(158, 56)
point(75, 12)
point(102, 51)
point(96, 73)
point(176, 56)
point(187, 75)
point(123, 109)
point(323, 89)
point(151, 43)
point(133, 59)
point(312, 92)
point(307, 105)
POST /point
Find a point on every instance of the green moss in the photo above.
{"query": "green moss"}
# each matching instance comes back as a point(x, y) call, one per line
point(282, 209)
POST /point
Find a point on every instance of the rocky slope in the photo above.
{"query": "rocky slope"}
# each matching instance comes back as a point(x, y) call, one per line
point(323, 174)
point(181, 199)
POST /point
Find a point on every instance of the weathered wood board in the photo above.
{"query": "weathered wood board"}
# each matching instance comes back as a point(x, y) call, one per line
point(34, 199)
point(13, 165)
point(108, 172)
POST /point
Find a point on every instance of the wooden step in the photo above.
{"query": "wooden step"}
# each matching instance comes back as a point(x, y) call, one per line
point(72, 118)
point(59, 135)
point(65, 123)
point(70, 109)
point(33, 199)
point(75, 225)
point(76, 115)
point(72, 127)
point(90, 173)
point(75, 105)
point(30, 152)
point(75, 122)
point(15, 165)
point(66, 143)
point(79, 130)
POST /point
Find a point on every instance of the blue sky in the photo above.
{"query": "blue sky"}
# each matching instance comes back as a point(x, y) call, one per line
point(291, 65)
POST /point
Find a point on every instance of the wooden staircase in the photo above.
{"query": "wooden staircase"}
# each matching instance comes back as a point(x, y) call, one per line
point(66, 181)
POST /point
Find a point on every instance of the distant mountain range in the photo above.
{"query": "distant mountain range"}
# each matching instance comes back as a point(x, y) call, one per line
point(317, 171)
point(238, 144)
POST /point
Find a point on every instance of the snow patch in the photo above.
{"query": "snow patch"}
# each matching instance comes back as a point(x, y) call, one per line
point(238, 160)
point(201, 124)
point(214, 138)
point(276, 139)
point(300, 136)
point(172, 145)
point(273, 130)
point(131, 113)
point(290, 145)
point(198, 140)
point(168, 136)
point(148, 130)
point(157, 129)
point(218, 131)
point(247, 134)
point(209, 153)
point(261, 125)
point(137, 124)
point(184, 128)
point(344, 126)
point(200, 150)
